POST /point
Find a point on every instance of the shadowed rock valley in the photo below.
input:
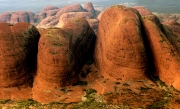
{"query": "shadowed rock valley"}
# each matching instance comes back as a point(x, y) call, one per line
point(119, 58)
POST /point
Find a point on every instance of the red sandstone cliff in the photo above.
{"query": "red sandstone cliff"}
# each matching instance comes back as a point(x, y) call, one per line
point(18, 54)
point(136, 46)
point(132, 48)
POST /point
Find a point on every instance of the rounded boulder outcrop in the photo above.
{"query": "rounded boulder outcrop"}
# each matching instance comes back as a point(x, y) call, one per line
point(143, 11)
point(68, 16)
point(89, 8)
point(48, 22)
point(72, 8)
point(22, 16)
point(18, 54)
point(165, 54)
point(62, 53)
point(119, 51)
point(47, 12)
point(5, 17)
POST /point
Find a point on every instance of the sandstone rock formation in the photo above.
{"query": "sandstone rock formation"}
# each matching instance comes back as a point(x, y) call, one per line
point(58, 17)
point(166, 57)
point(173, 33)
point(136, 46)
point(143, 11)
point(168, 17)
point(100, 15)
point(93, 24)
point(89, 8)
point(72, 8)
point(48, 22)
point(51, 15)
point(22, 17)
point(68, 16)
point(18, 54)
point(61, 55)
point(15, 17)
point(120, 51)
point(5, 17)
point(47, 12)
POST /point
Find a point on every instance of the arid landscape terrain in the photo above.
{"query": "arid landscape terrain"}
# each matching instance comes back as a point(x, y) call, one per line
point(77, 57)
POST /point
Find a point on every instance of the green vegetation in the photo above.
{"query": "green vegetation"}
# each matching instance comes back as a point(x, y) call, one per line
point(158, 104)
point(91, 102)
point(10, 24)
point(75, 20)
point(4, 101)
point(54, 28)
point(118, 6)
point(124, 98)
point(25, 104)
point(90, 91)
point(80, 83)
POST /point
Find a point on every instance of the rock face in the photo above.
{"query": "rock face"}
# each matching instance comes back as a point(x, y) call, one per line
point(143, 11)
point(58, 17)
point(18, 54)
point(5, 17)
point(93, 24)
point(100, 15)
point(48, 22)
point(68, 16)
point(62, 54)
point(173, 33)
point(136, 46)
point(15, 17)
point(22, 17)
point(169, 17)
point(72, 8)
point(51, 15)
point(89, 8)
point(47, 12)
point(166, 57)
point(120, 51)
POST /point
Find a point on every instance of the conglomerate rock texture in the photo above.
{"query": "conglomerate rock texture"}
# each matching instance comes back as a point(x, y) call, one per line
point(120, 51)
point(132, 49)
point(62, 54)
point(15, 17)
point(130, 46)
point(53, 61)
point(165, 56)
point(67, 16)
point(18, 54)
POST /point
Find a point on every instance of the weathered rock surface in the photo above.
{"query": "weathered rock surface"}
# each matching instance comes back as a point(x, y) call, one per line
point(15, 17)
point(172, 31)
point(89, 8)
point(48, 22)
point(93, 24)
point(68, 16)
point(18, 54)
point(5, 17)
point(72, 8)
point(51, 15)
point(136, 46)
point(168, 17)
point(61, 55)
point(166, 57)
point(22, 17)
point(99, 16)
point(131, 46)
point(120, 51)
point(143, 11)
point(47, 12)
